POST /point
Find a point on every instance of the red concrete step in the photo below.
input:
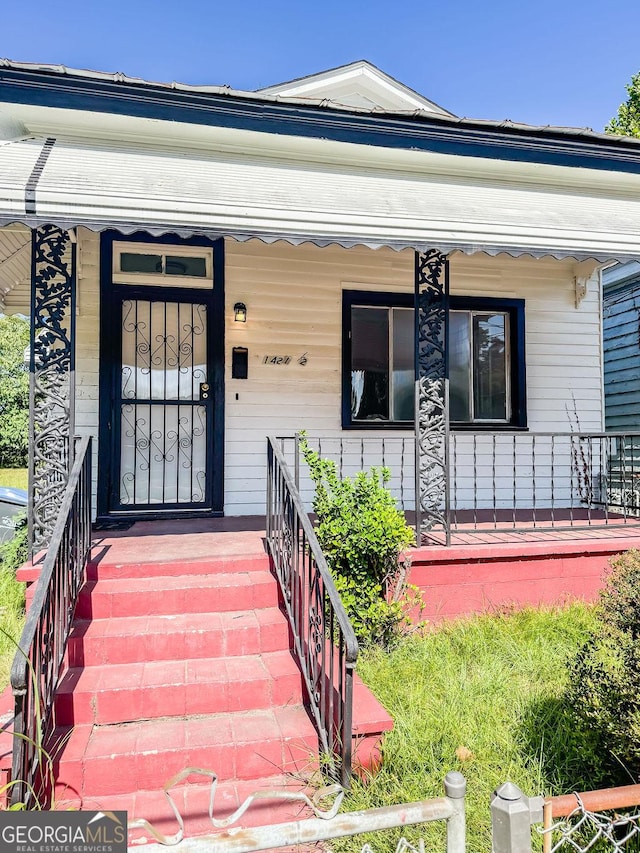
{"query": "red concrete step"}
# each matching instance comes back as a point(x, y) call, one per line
point(175, 637)
point(106, 568)
point(122, 693)
point(103, 599)
point(192, 801)
point(142, 756)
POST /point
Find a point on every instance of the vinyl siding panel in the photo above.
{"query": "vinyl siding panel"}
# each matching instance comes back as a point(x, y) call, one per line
point(88, 342)
point(294, 300)
point(18, 299)
point(621, 336)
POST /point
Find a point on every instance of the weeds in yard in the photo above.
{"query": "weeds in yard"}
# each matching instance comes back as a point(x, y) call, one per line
point(484, 696)
point(362, 534)
point(12, 555)
point(42, 796)
point(605, 675)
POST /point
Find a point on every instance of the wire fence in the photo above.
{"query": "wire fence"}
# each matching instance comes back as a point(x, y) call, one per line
point(584, 830)
point(312, 833)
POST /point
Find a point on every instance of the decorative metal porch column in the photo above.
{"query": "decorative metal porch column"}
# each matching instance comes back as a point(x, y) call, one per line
point(432, 393)
point(52, 382)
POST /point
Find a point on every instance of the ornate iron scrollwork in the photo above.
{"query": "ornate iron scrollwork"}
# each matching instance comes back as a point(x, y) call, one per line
point(52, 383)
point(163, 423)
point(432, 422)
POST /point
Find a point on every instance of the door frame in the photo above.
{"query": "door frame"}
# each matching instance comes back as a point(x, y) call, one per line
point(110, 365)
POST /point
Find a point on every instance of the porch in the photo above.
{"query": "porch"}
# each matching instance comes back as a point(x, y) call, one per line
point(480, 570)
point(479, 493)
point(144, 637)
point(178, 655)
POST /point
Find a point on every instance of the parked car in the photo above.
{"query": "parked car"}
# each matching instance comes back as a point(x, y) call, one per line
point(13, 505)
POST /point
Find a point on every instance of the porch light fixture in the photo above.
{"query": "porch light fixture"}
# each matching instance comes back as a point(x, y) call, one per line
point(240, 312)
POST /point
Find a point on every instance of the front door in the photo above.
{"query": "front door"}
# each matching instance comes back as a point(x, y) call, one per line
point(164, 416)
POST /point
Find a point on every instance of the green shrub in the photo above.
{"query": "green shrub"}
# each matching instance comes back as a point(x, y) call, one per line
point(605, 675)
point(362, 534)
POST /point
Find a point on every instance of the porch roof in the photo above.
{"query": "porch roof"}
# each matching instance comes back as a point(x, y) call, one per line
point(132, 186)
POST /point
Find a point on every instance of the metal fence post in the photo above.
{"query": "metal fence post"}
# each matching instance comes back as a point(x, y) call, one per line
point(511, 817)
point(296, 461)
point(455, 787)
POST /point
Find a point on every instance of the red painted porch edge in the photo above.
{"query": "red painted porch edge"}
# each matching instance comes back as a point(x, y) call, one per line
point(483, 552)
point(466, 579)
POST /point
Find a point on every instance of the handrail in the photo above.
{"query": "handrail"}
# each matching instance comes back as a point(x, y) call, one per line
point(604, 799)
point(38, 661)
point(336, 601)
point(324, 640)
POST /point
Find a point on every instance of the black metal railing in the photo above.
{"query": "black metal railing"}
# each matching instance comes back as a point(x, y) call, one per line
point(541, 480)
point(37, 664)
point(357, 453)
point(502, 482)
point(324, 641)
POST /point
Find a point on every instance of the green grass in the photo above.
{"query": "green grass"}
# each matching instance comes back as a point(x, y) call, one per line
point(15, 478)
point(12, 555)
point(11, 621)
point(493, 685)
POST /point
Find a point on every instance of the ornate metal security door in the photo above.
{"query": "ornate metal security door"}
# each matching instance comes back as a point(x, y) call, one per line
point(164, 406)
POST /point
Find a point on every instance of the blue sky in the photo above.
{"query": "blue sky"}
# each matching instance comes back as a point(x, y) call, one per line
point(560, 62)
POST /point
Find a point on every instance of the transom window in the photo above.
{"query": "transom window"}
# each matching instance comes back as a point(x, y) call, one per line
point(486, 361)
point(159, 264)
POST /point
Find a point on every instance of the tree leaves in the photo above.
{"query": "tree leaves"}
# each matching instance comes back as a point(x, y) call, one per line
point(627, 121)
point(14, 392)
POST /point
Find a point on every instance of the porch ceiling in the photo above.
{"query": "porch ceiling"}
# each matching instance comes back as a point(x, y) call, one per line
point(15, 261)
point(102, 184)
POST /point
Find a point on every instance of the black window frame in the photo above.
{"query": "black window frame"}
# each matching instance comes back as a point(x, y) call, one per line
point(515, 308)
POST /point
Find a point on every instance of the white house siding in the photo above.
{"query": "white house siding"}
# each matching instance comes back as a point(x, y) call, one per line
point(15, 270)
point(293, 296)
point(87, 341)
point(294, 301)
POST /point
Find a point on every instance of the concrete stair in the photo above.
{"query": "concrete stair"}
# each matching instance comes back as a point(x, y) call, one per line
point(186, 663)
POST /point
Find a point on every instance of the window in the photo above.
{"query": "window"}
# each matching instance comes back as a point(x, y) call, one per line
point(486, 361)
point(378, 359)
point(179, 266)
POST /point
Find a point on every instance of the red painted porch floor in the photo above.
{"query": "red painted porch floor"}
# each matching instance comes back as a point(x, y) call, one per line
point(486, 527)
point(535, 564)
